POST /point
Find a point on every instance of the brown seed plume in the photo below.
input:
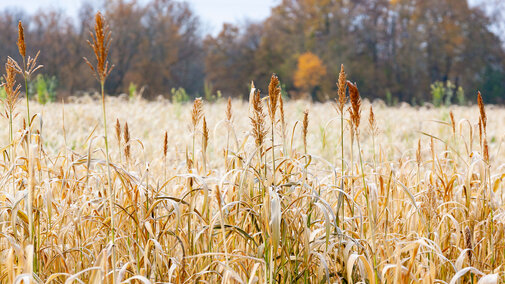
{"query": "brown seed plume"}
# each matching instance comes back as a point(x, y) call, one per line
point(251, 96)
point(205, 135)
point(258, 119)
point(100, 43)
point(274, 92)
point(372, 122)
point(453, 122)
point(11, 88)
point(196, 112)
point(218, 196)
point(21, 40)
point(355, 104)
point(482, 111)
point(228, 110)
point(118, 131)
point(126, 137)
point(468, 243)
point(165, 144)
point(486, 152)
point(305, 128)
point(341, 90)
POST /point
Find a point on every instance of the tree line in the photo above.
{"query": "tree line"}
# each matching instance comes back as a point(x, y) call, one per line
point(394, 49)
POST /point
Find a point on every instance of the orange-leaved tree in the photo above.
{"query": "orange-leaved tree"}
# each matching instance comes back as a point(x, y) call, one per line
point(309, 72)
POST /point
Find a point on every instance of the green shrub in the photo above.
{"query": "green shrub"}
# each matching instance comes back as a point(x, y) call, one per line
point(460, 96)
point(390, 100)
point(449, 91)
point(208, 89)
point(443, 93)
point(41, 88)
point(437, 93)
point(132, 91)
point(179, 95)
point(45, 88)
point(284, 93)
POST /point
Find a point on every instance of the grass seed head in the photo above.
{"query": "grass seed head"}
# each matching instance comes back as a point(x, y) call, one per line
point(196, 112)
point(165, 144)
point(21, 40)
point(355, 104)
point(468, 243)
point(274, 92)
point(228, 110)
point(372, 122)
point(100, 43)
point(341, 89)
point(11, 88)
point(205, 135)
point(126, 138)
point(486, 151)
point(305, 128)
point(118, 131)
point(453, 123)
point(482, 111)
point(258, 119)
point(251, 96)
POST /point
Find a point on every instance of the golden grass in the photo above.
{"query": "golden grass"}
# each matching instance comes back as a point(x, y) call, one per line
point(435, 204)
point(235, 208)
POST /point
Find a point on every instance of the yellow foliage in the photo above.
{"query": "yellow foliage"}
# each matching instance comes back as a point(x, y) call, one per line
point(310, 71)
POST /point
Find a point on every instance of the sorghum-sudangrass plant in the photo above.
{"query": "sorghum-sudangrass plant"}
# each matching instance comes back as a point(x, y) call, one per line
point(28, 68)
point(422, 194)
point(340, 104)
point(421, 201)
point(100, 43)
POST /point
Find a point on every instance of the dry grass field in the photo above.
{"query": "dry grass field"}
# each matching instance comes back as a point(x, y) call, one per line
point(264, 191)
point(421, 204)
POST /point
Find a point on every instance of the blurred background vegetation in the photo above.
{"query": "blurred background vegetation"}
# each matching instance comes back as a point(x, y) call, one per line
point(397, 50)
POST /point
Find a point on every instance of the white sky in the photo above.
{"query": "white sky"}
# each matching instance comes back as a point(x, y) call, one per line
point(213, 13)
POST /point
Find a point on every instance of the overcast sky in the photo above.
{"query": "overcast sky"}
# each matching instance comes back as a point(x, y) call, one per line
point(213, 13)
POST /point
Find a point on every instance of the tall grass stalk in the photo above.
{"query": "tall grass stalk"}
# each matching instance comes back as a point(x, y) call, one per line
point(228, 129)
point(274, 92)
point(100, 45)
point(29, 67)
point(342, 87)
point(355, 112)
point(12, 95)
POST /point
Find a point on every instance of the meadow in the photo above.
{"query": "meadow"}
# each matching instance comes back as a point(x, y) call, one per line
point(434, 211)
point(266, 191)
